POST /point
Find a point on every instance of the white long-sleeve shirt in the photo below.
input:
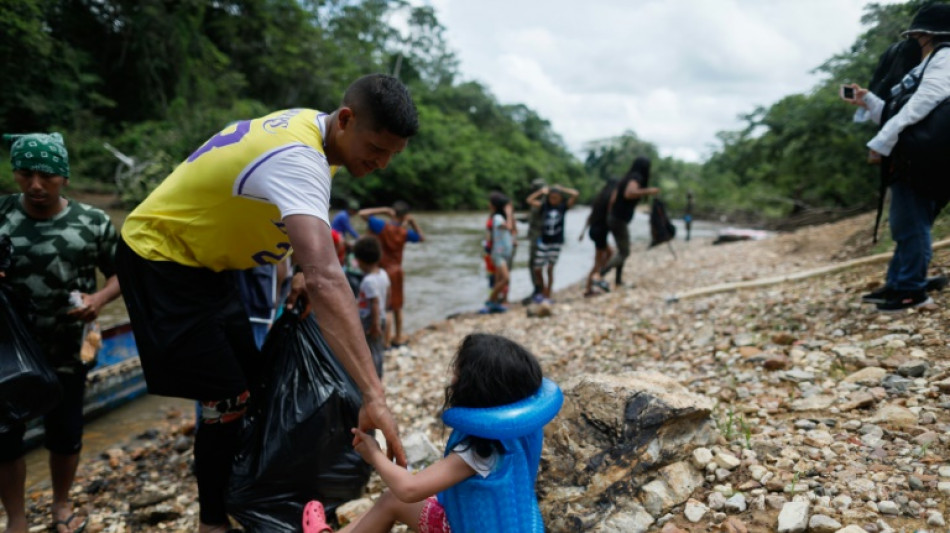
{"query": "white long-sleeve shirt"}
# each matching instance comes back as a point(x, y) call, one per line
point(934, 88)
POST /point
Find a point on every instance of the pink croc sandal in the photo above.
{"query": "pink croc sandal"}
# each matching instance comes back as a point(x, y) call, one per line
point(314, 519)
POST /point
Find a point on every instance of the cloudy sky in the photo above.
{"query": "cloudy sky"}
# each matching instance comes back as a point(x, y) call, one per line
point(673, 71)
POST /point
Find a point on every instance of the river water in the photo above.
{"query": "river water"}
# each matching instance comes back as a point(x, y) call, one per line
point(443, 275)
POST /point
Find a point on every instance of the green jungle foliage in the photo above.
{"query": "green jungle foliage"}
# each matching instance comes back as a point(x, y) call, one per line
point(155, 78)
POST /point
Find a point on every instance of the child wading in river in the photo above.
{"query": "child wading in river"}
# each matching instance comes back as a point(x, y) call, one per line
point(489, 371)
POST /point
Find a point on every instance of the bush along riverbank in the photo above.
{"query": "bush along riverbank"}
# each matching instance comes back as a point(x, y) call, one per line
point(789, 406)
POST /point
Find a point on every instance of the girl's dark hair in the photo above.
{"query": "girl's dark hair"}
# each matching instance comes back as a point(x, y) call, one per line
point(491, 370)
point(640, 170)
point(498, 202)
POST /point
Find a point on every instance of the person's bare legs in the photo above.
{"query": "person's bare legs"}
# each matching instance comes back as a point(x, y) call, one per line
point(12, 494)
point(501, 283)
point(549, 285)
point(386, 510)
point(397, 323)
point(62, 469)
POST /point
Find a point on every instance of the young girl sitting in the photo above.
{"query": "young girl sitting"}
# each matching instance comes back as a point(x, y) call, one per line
point(477, 479)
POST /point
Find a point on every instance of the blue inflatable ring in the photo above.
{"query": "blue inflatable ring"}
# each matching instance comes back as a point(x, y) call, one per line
point(508, 421)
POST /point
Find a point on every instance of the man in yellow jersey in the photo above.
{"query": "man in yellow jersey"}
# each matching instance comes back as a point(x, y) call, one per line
point(251, 194)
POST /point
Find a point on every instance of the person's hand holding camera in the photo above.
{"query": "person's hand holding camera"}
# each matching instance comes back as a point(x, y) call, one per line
point(853, 94)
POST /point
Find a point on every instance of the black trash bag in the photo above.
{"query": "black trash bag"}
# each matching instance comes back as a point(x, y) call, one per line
point(28, 385)
point(661, 229)
point(296, 444)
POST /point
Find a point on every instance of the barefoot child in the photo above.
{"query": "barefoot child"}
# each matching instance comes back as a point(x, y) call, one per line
point(393, 236)
point(488, 371)
point(374, 293)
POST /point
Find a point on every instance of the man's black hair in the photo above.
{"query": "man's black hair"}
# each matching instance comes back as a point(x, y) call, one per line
point(367, 249)
point(387, 103)
point(400, 207)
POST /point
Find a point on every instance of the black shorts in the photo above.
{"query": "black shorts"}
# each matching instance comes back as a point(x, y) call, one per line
point(192, 332)
point(62, 426)
point(599, 234)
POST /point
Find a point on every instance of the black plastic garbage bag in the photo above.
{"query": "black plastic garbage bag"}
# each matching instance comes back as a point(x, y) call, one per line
point(661, 229)
point(28, 385)
point(297, 444)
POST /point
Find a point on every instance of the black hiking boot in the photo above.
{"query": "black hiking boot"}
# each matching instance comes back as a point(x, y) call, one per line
point(936, 283)
point(905, 300)
point(879, 296)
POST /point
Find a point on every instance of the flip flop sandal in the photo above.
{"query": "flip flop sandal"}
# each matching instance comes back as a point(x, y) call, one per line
point(79, 529)
point(314, 519)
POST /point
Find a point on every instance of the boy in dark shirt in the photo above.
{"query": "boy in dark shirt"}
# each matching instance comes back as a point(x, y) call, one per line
point(553, 203)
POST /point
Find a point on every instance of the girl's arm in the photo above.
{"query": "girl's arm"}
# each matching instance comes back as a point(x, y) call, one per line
point(572, 195)
point(366, 213)
point(510, 219)
point(406, 486)
point(534, 199)
point(633, 190)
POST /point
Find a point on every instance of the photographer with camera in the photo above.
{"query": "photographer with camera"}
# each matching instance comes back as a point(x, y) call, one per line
point(914, 202)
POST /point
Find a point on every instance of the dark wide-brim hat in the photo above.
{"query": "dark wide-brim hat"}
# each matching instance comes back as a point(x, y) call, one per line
point(933, 19)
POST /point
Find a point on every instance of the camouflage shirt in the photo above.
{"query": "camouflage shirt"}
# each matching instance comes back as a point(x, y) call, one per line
point(50, 259)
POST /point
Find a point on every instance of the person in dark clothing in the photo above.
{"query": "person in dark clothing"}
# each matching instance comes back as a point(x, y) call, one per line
point(598, 231)
point(623, 203)
point(688, 216)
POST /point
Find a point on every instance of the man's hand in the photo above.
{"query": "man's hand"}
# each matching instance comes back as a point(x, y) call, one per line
point(874, 158)
point(298, 292)
point(89, 310)
point(375, 415)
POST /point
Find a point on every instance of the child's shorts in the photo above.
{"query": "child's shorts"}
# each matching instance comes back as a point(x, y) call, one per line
point(546, 254)
point(432, 519)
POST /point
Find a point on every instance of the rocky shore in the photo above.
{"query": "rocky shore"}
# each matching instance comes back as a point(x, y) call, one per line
point(826, 415)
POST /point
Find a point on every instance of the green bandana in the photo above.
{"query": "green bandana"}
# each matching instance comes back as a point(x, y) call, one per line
point(43, 152)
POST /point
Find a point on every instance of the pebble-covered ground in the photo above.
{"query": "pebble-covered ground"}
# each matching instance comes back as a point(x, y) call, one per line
point(822, 398)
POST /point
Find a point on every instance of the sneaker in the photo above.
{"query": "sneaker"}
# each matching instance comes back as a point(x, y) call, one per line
point(905, 300)
point(604, 286)
point(936, 283)
point(879, 296)
point(498, 308)
point(537, 298)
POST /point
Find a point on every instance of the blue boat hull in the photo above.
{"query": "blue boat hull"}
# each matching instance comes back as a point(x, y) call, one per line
point(115, 380)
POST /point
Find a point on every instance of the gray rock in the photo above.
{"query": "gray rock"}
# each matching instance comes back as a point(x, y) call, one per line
point(420, 452)
point(820, 523)
point(935, 518)
point(894, 415)
point(798, 376)
point(632, 520)
point(736, 504)
point(716, 501)
point(888, 507)
point(913, 369)
point(695, 511)
point(870, 376)
point(793, 518)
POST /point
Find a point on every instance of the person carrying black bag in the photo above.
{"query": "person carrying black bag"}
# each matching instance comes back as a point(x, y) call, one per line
point(916, 194)
point(58, 244)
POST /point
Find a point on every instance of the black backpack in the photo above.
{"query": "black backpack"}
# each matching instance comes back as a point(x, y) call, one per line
point(922, 154)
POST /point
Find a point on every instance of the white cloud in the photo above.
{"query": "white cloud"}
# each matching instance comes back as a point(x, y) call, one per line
point(674, 71)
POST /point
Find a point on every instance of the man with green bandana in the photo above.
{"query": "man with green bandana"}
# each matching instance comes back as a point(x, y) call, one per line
point(57, 245)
